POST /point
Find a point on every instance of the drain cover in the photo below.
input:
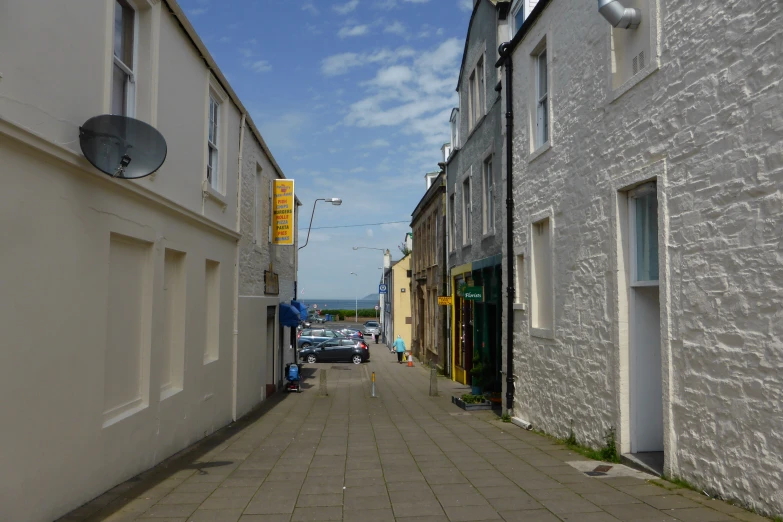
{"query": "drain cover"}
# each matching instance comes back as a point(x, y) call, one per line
point(595, 474)
point(603, 468)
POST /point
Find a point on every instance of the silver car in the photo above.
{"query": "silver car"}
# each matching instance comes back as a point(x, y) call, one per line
point(371, 328)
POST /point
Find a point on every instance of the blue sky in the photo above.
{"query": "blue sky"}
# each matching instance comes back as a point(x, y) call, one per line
point(353, 98)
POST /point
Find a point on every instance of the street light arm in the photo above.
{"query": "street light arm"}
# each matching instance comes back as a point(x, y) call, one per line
point(311, 222)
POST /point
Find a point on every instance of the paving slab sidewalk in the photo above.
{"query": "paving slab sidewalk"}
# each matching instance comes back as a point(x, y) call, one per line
point(403, 456)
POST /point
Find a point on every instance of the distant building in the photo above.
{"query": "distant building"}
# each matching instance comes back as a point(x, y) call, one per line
point(398, 303)
point(428, 267)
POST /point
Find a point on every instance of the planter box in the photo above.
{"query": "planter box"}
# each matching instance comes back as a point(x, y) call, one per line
point(484, 405)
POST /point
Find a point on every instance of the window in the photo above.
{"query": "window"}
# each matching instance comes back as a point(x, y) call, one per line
point(519, 294)
point(454, 121)
point(123, 93)
point(541, 287)
point(542, 96)
point(518, 12)
point(489, 198)
point(453, 223)
point(644, 229)
point(467, 210)
point(212, 311)
point(476, 94)
point(213, 165)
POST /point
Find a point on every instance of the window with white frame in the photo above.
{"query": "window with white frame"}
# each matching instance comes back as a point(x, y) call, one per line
point(123, 82)
point(482, 92)
point(472, 100)
point(452, 223)
point(467, 211)
point(519, 293)
point(476, 94)
point(541, 284)
point(454, 121)
point(542, 99)
point(517, 16)
point(489, 197)
point(213, 164)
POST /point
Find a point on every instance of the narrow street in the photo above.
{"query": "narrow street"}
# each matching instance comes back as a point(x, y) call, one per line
point(401, 456)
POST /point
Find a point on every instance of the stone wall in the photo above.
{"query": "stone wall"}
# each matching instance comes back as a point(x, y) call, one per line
point(703, 119)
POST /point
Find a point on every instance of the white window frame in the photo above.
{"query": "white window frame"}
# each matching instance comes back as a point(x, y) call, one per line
point(452, 221)
point(214, 112)
point(543, 124)
point(129, 108)
point(488, 191)
point(454, 120)
point(540, 286)
point(633, 195)
point(516, 7)
point(467, 210)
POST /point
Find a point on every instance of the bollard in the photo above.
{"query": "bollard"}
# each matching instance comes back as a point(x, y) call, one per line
point(373, 384)
point(433, 381)
point(322, 386)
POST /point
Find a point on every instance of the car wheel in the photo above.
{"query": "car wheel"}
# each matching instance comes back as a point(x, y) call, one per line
point(305, 345)
point(356, 359)
point(311, 359)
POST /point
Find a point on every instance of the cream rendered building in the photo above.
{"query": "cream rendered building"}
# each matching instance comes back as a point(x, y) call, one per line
point(119, 298)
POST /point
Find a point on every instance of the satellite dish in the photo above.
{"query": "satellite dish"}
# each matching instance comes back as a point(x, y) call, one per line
point(122, 147)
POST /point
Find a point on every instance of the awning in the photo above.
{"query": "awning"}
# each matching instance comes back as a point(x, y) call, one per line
point(289, 316)
point(302, 309)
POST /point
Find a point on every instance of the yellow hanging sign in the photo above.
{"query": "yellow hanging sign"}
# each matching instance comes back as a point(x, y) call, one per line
point(445, 300)
point(283, 212)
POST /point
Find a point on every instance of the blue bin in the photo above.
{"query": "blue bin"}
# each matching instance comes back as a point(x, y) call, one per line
point(328, 317)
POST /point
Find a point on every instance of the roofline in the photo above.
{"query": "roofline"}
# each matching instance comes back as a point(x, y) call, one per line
point(436, 186)
point(522, 32)
point(500, 6)
point(179, 14)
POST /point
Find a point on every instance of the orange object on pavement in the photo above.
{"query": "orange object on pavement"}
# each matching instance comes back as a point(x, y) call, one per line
point(410, 359)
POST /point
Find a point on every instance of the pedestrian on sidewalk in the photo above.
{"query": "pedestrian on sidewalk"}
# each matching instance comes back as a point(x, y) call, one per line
point(399, 345)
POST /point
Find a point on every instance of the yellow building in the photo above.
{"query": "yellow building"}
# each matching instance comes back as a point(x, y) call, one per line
point(401, 301)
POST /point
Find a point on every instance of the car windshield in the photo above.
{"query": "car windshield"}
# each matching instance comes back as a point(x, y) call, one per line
point(372, 324)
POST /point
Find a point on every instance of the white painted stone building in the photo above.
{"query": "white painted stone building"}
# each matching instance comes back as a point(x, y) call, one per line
point(647, 172)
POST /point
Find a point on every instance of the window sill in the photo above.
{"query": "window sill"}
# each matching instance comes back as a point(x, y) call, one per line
point(539, 151)
point(632, 82)
point(475, 127)
point(488, 235)
point(211, 193)
point(543, 333)
point(209, 359)
point(522, 307)
point(168, 392)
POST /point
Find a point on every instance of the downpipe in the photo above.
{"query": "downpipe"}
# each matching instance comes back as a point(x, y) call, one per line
point(505, 59)
point(618, 15)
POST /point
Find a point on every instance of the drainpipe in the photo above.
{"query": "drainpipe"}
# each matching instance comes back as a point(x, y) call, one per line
point(505, 60)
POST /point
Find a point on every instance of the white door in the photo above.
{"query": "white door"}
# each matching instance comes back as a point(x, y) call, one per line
point(645, 322)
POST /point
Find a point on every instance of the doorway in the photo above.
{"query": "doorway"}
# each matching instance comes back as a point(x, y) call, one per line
point(644, 318)
point(271, 385)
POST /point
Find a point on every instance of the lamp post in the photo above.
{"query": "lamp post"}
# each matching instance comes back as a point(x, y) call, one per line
point(333, 201)
point(357, 300)
point(385, 251)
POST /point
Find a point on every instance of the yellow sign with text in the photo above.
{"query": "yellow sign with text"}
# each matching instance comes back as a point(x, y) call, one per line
point(283, 212)
point(445, 300)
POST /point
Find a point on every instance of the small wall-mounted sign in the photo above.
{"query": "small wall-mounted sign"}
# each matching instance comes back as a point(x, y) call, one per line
point(402, 290)
point(446, 300)
point(271, 283)
point(473, 293)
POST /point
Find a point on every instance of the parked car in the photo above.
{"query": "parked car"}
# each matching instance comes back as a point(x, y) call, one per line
point(337, 350)
point(315, 318)
point(372, 328)
point(351, 332)
point(312, 336)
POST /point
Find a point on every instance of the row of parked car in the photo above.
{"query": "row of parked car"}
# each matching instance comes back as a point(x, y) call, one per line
point(336, 345)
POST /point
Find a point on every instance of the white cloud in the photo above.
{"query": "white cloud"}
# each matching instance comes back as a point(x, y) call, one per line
point(346, 8)
point(310, 8)
point(465, 5)
point(356, 30)
point(258, 66)
point(342, 63)
point(376, 144)
point(370, 232)
point(395, 28)
point(197, 11)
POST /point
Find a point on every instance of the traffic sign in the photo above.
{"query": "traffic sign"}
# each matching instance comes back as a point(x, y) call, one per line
point(377, 307)
point(382, 289)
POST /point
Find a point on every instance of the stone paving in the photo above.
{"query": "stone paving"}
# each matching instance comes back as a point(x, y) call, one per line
point(403, 456)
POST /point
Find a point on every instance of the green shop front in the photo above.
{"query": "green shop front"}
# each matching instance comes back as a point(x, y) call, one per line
point(478, 309)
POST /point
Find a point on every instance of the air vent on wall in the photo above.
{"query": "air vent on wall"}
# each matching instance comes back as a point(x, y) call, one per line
point(638, 62)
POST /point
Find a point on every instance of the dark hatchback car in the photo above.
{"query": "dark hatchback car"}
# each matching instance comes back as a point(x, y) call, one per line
point(337, 350)
point(313, 336)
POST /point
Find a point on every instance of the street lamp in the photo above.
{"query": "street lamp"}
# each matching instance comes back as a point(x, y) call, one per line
point(357, 299)
point(333, 201)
